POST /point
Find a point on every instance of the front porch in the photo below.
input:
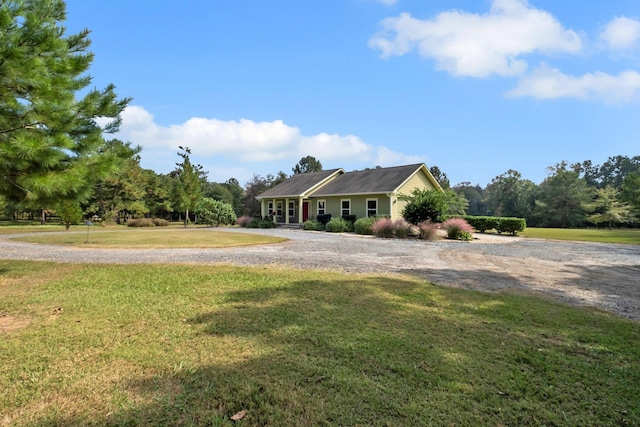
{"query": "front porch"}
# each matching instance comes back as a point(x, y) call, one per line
point(286, 211)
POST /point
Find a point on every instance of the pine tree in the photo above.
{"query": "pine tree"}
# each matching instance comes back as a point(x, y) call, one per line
point(51, 143)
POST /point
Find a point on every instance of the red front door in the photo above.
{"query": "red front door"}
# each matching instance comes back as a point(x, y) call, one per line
point(305, 211)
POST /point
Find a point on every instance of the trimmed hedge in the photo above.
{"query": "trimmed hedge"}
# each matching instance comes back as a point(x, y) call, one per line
point(500, 224)
point(511, 225)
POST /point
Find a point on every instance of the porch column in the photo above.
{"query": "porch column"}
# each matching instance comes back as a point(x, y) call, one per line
point(286, 211)
point(300, 210)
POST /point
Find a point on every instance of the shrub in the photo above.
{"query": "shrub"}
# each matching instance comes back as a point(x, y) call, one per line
point(423, 205)
point(254, 223)
point(337, 225)
point(215, 213)
point(244, 220)
point(428, 230)
point(140, 222)
point(312, 225)
point(266, 223)
point(465, 235)
point(323, 219)
point(349, 218)
point(160, 222)
point(383, 227)
point(401, 228)
point(482, 223)
point(455, 227)
point(511, 225)
point(364, 226)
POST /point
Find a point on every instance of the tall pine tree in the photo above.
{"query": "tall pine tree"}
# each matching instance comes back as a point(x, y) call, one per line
point(51, 141)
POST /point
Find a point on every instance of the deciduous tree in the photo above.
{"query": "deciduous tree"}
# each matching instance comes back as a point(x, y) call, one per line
point(188, 182)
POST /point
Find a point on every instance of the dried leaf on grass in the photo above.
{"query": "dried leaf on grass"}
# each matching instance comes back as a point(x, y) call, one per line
point(240, 415)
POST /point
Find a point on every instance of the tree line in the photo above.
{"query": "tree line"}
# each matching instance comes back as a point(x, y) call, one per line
point(57, 154)
point(572, 195)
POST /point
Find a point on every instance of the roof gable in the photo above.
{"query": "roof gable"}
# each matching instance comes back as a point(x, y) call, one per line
point(300, 185)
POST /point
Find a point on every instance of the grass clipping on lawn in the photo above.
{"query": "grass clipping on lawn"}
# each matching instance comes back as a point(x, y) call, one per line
point(198, 345)
point(151, 238)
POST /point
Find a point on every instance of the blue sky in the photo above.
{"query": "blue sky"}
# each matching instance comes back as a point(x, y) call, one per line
point(475, 87)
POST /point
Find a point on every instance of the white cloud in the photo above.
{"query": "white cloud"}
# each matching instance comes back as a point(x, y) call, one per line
point(551, 83)
point(236, 145)
point(621, 33)
point(388, 2)
point(466, 44)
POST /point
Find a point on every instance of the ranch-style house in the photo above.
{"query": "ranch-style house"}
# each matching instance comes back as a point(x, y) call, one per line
point(336, 192)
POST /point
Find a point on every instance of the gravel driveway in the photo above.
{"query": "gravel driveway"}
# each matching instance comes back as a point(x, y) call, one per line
point(605, 276)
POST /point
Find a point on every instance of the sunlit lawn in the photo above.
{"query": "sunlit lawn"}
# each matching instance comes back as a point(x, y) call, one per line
point(629, 236)
point(193, 345)
point(156, 237)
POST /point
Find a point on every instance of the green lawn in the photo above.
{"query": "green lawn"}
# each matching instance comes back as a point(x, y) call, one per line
point(156, 237)
point(193, 345)
point(628, 236)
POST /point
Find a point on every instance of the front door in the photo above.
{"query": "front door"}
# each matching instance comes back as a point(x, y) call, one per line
point(305, 211)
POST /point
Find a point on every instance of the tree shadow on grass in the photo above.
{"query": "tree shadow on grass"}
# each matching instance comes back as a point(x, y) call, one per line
point(365, 350)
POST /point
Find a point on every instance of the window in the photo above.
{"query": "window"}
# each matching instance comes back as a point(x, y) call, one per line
point(372, 207)
point(269, 208)
point(345, 207)
point(279, 208)
point(292, 209)
point(322, 207)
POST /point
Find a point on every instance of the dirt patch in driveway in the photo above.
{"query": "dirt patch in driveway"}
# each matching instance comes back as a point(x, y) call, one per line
point(602, 276)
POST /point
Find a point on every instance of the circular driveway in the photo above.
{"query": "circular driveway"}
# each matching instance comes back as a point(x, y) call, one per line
point(605, 276)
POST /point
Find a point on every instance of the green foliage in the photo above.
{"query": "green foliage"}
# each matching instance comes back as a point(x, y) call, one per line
point(51, 143)
point(70, 213)
point(457, 203)
point(608, 208)
point(261, 223)
point(500, 224)
point(312, 225)
point(510, 195)
point(215, 213)
point(188, 183)
point(307, 164)
point(364, 225)
point(440, 176)
point(511, 225)
point(337, 225)
point(563, 198)
point(482, 223)
point(424, 204)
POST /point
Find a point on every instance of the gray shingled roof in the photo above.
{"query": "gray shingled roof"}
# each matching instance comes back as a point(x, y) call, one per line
point(298, 184)
point(373, 181)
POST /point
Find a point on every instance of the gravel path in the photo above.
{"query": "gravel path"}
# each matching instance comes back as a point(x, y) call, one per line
point(605, 276)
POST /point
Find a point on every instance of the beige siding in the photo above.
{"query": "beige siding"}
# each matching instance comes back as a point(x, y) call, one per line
point(418, 180)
